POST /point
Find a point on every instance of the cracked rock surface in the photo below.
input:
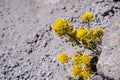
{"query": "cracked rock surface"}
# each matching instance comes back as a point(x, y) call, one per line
point(29, 48)
point(109, 62)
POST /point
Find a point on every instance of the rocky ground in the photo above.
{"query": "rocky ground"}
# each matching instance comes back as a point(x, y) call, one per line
point(29, 48)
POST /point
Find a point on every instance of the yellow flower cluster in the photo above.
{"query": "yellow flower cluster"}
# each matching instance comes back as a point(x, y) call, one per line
point(98, 33)
point(86, 17)
point(85, 74)
point(89, 36)
point(81, 59)
point(76, 72)
point(63, 58)
point(62, 27)
point(82, 67)
point(81, 33)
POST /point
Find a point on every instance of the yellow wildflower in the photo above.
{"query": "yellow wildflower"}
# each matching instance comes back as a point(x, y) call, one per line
point(81, 59)
point(86, 17)
point(82, 66)
point(98, 33)
point(62, 27)
point(85, 75)
point(63, 58)
point(76, 72)
point(76, 59)
point(79, 72)
point(85, 59)
point(81, 33)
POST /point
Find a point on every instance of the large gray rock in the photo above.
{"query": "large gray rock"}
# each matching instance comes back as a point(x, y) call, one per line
point(109, 62)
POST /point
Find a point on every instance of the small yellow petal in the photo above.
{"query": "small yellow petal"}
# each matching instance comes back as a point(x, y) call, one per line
point(63, 58)
point(86, 17)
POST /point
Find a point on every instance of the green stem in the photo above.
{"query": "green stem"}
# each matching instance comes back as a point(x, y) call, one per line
point(80, 45)
point(89, 24)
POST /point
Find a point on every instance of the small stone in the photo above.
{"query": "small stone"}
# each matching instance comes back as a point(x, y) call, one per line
point(43, 74)
point(29, 50)
point(34, 77)
point(49, 73)
point(117, 5)
point(97, 78)
point(44, 43)
point(2, 35)
point(29, 41)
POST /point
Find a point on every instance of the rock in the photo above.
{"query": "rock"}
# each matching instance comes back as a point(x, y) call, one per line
point(34, 77)
point(117, 5)
point(97, 77)
point(109, 62)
